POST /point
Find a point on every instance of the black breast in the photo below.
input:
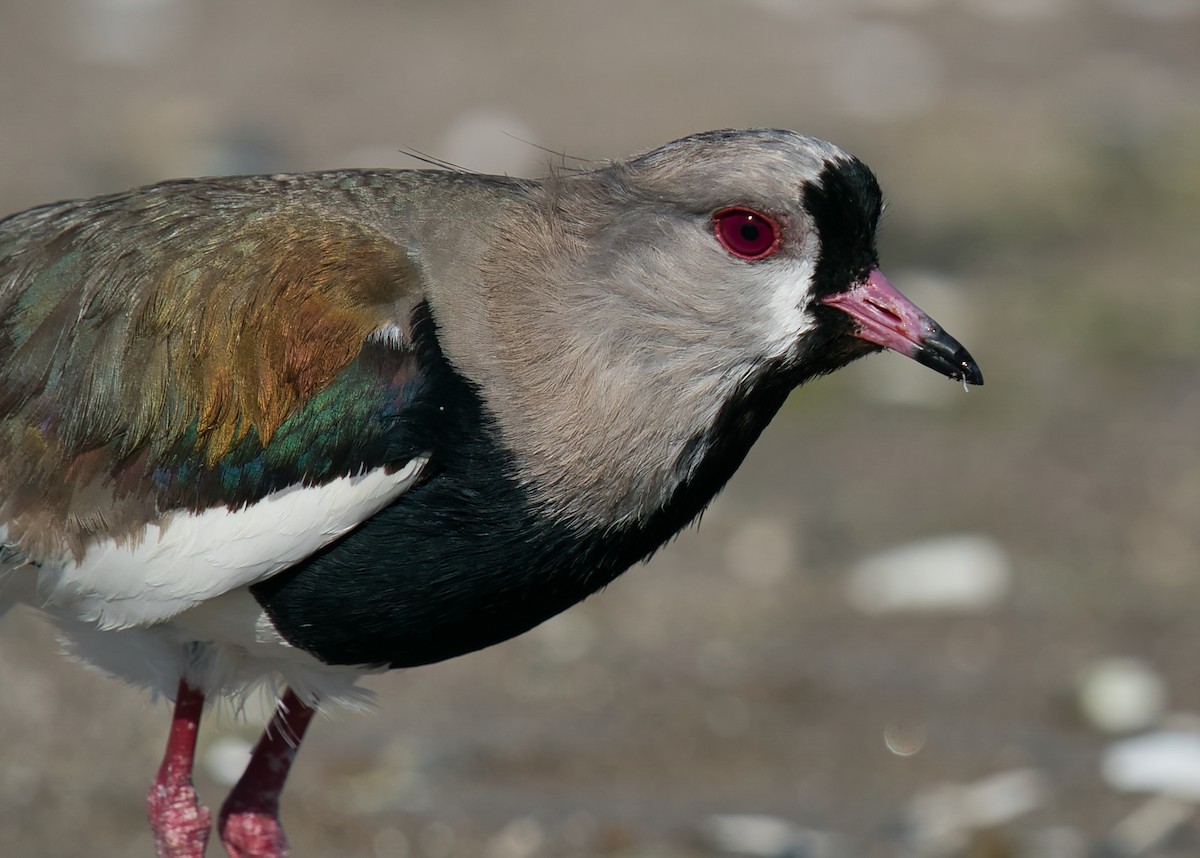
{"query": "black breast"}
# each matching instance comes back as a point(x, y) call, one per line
point(465, 559)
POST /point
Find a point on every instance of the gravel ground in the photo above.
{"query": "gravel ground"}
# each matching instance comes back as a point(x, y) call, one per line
point(734, 696)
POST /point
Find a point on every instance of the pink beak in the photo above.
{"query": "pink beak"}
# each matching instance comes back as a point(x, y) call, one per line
point(888, 319)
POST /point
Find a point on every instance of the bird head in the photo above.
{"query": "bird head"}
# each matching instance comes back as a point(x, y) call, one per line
point(646, 311)
point(765, 239)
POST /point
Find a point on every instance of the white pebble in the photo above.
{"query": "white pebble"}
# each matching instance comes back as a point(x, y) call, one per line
point(1166, 762)
point(1003, 797)
point(762, 836)
point(943, 817)
point(521, 838)
point(960, 573)
point(1121, 695)
point(226, 759)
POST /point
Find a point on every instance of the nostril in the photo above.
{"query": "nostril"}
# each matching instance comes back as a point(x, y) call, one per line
point(891, 314)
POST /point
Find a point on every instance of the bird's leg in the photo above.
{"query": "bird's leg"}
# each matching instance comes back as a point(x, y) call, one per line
point(180, 823)
point(249, 821)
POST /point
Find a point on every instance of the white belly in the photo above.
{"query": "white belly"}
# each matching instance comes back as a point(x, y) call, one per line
point(176, 601)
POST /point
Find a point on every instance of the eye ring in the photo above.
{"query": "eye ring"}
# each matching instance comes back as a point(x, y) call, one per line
point(746, 233)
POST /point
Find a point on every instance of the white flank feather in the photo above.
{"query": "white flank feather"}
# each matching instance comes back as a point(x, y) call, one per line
point(192, 557)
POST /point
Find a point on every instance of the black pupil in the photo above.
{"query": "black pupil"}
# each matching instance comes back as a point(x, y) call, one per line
point(750, 232)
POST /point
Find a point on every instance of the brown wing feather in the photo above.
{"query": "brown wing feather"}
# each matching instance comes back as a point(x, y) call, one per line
point(206, 309)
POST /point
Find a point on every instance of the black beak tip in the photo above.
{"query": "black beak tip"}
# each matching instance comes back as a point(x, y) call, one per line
point(944, 354)
point(964, 368)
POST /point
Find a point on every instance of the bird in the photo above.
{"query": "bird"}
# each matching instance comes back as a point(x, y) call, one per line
point(278, 432)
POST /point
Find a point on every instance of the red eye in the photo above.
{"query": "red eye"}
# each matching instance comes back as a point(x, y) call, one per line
point(745, 233)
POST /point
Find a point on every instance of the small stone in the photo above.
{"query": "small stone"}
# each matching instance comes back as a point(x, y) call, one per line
point(1003, 797)
point(226, 759)
point(1121, 695)
point(1166, 762)
point(959, 573)
point(521, 838)
point(945, 817)
point(762, 836)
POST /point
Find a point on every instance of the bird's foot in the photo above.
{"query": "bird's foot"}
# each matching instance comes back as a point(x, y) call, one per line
point(180, 823)
point(249, 820)
point(252, 832)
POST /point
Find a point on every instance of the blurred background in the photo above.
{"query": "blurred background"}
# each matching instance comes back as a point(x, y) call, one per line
point(919, 622)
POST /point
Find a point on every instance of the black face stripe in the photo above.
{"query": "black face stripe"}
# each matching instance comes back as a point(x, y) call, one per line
point(845, 204)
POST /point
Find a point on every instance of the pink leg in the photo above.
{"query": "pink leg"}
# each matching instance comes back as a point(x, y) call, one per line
point(249, 822)
point(180, 823)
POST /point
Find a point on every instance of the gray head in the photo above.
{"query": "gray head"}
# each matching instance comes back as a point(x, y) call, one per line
point(630, 307)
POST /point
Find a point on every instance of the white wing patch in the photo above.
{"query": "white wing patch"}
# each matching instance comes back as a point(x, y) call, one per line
point(192, 557)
